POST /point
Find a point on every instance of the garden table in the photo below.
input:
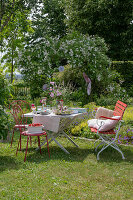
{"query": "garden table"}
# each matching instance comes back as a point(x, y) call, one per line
point(56, 124)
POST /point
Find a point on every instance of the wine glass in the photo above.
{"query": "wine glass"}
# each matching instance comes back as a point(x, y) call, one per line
point(33, 108)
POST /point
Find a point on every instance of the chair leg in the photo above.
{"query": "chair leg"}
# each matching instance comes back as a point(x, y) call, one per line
point(98, 146)
point(26, 148)
point(113, 145)
point(20, 142)
point(12, 137)
point(30, 141)
point(18, 145)
point(39, 144)
point(48, 146)
point(95, 142)
point(118, 149)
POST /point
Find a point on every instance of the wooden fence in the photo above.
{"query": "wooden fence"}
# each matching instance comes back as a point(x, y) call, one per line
point(21, 91)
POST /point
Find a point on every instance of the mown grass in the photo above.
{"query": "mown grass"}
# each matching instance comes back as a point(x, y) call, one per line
point(75, 176)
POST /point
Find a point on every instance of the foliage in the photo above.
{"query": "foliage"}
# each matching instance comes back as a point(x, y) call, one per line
point(10, 8)
point(20, 90)
point(111, 20)
point(81, 52)
point(36, 85)
point(128, 115)
point(49, 20)
point(111, 98)
point(5, 123)
point(14, 25)
point(82, 130)
point(14, 42)
point(126, 71)
point(5, 90)
point(126, 131)
point(125, 135)
point(99, 87)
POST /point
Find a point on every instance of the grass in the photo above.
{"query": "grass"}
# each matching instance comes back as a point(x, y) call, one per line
point(75, 176)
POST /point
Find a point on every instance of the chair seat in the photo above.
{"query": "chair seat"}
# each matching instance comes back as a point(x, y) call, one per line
point(103, 132)
point(21, 126)
point(26, 133)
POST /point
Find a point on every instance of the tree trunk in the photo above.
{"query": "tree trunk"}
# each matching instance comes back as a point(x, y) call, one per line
point(12, 66)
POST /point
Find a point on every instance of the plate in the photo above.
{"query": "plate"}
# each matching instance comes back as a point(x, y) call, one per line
point(44, 113)
point(78, 110)
point(63, 114)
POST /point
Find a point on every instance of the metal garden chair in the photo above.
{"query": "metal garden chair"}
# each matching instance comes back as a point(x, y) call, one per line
point(25, 106)
point(18, 116)
point(104, 126)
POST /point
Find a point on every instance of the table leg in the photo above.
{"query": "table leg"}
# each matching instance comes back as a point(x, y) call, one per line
point(69, 139)
point(61, 146)
point(53, 139)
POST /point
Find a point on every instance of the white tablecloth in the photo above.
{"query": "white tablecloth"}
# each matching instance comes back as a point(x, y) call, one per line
point(54, 122)
point(57, 124)
point(50, 122)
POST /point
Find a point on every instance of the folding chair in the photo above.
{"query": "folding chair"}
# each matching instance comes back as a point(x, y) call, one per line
point(104, 126)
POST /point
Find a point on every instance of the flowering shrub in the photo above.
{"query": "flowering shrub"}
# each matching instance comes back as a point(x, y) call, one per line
point(125, 135)
point(82, 52)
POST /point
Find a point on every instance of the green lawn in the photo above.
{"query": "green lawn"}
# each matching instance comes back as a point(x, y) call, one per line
point(75, 176)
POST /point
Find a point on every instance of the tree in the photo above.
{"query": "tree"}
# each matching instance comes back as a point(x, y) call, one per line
point(13, 29)
point(49, 21)
point(111, 20)
point(14, 41)
point(9, 8)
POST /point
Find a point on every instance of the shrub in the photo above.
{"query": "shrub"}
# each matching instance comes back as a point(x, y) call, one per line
point(83, 53)
point(128, 116)
point(5, 90)
point(125, 68)
point(5, 124)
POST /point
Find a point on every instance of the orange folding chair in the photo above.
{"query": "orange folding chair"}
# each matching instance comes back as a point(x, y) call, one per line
point(104, 126)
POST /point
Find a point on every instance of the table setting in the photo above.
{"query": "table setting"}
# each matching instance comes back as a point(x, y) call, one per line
point(55, 116)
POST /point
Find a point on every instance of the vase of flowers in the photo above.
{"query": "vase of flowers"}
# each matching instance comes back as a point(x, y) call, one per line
point(55, 94)
point(43, 101)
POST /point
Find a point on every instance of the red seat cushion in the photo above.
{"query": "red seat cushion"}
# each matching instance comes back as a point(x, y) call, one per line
point(103, 132)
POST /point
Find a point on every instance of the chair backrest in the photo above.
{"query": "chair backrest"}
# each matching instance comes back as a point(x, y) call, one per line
point(25, 106)
point(119, 109)
point(17, 114)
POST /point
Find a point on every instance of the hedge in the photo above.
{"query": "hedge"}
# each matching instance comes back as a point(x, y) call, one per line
point(125, 68)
